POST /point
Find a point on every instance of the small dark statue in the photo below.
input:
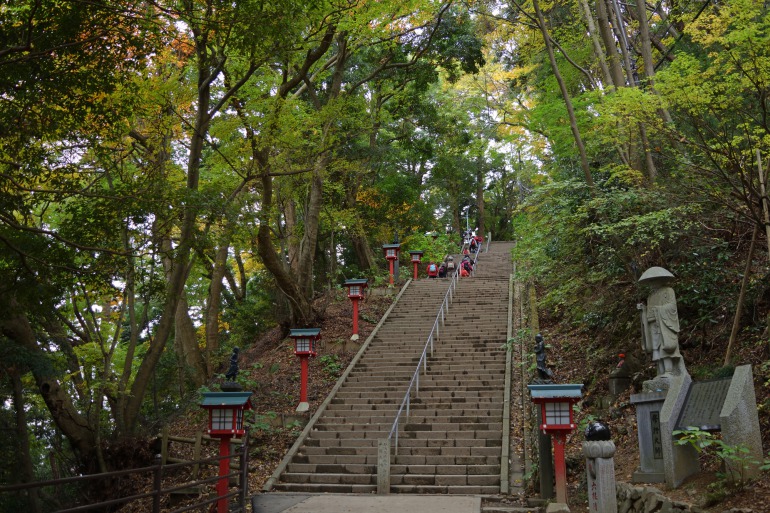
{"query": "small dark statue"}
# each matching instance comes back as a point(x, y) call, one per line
point(544, 374)
point(232, 372)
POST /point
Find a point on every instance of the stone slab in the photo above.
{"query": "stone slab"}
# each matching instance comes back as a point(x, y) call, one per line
point(703, 405)
point(740, 423)
point(332, 503)
point(679, 461)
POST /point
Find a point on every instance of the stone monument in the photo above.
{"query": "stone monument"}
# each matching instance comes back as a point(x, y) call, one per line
point(660, 324)
point(659, 405)
point(673, 402)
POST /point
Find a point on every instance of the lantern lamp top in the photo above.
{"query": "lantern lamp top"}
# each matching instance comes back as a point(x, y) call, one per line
point(549, 393)
point(305, 332)
point(360, 282)
point(234, 400)
point(416, 255)
point(391, 251)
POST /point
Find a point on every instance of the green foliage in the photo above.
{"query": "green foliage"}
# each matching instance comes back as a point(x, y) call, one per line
point(522, 337)
point(264, 422)
point(331, 365)
point(736, 458)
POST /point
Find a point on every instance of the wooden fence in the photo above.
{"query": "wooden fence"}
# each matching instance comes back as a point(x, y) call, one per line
point(30, 492)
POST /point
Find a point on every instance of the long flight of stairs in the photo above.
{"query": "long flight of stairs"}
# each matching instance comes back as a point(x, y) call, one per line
point(452, 440)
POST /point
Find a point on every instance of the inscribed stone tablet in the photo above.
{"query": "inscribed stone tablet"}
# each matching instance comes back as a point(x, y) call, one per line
point(703, 405)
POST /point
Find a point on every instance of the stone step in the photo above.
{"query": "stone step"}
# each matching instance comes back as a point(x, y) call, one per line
point(441, 489)
point(362, 468)
point(325, 439)
point(384, 420)
point(323, 488)
point(416, 402)
point(426, 479)
point(416, 411)
point(349, 429)
point(412, 455)
point(425, 393)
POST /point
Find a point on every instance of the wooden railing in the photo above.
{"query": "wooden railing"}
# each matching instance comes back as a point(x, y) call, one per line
point(157, 492)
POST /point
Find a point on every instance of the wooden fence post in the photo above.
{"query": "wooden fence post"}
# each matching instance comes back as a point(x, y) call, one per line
point(164, 445)
point(197, 453)
point(157, 484)
point(244, 471)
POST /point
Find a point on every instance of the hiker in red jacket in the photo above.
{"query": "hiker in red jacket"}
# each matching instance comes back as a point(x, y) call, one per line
point(432, 270)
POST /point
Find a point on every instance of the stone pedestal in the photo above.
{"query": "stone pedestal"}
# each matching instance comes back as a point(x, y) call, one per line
point(600, 473)
point(648, 407)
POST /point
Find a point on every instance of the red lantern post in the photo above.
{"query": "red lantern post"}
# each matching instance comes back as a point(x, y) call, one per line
point(556, 408)
point(225, 422)
point(391, 254)
point(416, 259)
point(305, 341)
point(355, 293)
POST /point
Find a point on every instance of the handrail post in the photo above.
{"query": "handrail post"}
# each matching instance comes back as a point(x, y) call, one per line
point(157, 483)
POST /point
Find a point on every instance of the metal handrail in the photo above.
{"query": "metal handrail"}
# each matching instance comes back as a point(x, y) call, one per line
point(414, 383)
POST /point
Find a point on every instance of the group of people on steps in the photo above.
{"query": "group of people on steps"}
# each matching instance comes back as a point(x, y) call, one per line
point(471, 244)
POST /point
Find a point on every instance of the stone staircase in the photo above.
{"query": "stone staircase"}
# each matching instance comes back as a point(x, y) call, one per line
point(452, 440)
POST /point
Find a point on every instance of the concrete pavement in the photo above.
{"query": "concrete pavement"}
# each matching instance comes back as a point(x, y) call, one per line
point(348, 503)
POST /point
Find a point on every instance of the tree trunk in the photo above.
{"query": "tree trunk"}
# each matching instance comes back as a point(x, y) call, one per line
point(646, 48)
point(741, 297)
point(26, 469)
point(480, 196)
point(596, 43)
point(301, 313)
point(565, 95)
point(213, 306)
point(312, 223)
point(131, 403)
point(186, 345)
point(613, 57)
point(68, 419)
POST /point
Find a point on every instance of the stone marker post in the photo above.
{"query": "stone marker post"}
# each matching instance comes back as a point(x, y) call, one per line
point(600, 469)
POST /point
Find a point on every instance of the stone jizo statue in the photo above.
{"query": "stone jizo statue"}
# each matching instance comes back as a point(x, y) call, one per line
point(660, 322)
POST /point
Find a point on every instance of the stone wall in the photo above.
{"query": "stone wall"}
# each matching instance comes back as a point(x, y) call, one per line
point(635, 499)
point(646, 499)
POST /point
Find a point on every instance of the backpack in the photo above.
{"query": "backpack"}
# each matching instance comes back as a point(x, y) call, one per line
point(450, 265)
point(432, 268)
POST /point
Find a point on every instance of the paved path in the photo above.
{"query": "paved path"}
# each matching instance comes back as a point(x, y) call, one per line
point(347, 503)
